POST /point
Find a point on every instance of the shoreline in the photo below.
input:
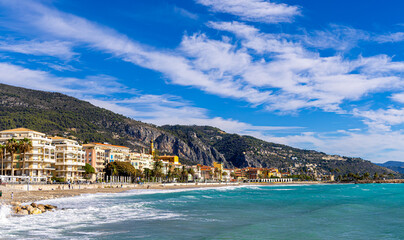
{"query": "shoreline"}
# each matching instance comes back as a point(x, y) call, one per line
point(26, 197)
point(55, 191)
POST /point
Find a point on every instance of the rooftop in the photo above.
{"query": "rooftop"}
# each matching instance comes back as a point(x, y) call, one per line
point(103, 144)
point(19, 130)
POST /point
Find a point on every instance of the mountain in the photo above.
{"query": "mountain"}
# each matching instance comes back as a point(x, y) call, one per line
point(59, 114)
point(394, 165)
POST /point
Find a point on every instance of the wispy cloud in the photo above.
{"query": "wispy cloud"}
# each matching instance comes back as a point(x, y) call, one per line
point(254, 10)
point(390, 38)
point(377, 146)
point(381, 119)
point(341, 38)
point(59, 49)
point(40, 80)
point(169, 109)
point(185, 13)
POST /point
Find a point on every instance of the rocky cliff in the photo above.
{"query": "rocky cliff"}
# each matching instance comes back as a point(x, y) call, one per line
point(58, 114)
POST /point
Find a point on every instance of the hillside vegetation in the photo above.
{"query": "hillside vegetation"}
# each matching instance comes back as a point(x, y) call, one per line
point(59, 114)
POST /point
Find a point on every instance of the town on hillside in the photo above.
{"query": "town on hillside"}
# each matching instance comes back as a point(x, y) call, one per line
point(30, 156)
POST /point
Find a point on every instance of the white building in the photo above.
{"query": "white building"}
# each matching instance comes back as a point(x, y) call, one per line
point(70, 159)
point(39, 161)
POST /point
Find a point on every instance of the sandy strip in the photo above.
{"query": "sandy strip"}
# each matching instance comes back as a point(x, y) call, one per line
point(23, 196)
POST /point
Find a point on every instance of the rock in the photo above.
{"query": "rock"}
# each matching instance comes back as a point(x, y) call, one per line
point(50, 207)
point(34, 205)
point(23, 212)
point(42, 208)
point(36, 211)
point(17, 209)
point(29, 209)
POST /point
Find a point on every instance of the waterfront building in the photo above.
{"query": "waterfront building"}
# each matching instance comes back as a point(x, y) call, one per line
point(227, 174)
point(98, 155)
point(70, 159)
point(206, 172)
point(39, 160)
point(218, 168)
point(141, 161)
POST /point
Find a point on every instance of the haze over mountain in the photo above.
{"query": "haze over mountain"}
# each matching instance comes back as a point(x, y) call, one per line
point(59, 114)
point(393, 165)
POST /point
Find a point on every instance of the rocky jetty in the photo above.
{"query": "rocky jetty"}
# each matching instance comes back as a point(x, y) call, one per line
point(31, 209)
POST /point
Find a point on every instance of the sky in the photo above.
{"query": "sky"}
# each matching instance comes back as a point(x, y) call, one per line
point(313, 74)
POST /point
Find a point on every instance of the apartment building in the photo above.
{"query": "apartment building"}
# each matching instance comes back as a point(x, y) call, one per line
point(70, 159)
point(99, 155)
point(141, 161)
point(39, 161)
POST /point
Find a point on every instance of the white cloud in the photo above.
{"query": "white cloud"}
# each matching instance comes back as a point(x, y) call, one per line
point(254, 10)
point(59, 49)
point(390, 38)
point(169, 109)
point(376, 146)
point(341, 38)
point(185, 13)
point(398, 97)
point(268, 69)
point(381, 119)
point(40, 80)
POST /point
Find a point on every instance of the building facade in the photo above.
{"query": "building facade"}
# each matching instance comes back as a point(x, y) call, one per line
point(39, 161)
point(141, 161)
point(70, 159)
point(98, 155)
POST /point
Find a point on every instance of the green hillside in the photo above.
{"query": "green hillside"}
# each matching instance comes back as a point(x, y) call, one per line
point(59, 114)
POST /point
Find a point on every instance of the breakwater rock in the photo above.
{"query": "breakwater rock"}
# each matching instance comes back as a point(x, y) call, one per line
point(33, 208)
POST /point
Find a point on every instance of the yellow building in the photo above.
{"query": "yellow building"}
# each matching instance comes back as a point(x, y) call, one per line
point(171, 159)
point(70, 159)
point(39, 161)
point(218, 167)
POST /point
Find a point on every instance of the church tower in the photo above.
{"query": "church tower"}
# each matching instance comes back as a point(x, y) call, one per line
point(151, 151)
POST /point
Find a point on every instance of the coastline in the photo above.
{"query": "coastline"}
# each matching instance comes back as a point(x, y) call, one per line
point(21, 195)
point(26, 197)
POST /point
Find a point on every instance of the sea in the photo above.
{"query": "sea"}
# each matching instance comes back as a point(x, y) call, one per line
point(334, 211)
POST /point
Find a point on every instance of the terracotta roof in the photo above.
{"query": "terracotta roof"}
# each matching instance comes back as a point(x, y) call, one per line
point(20, 130)
point(61, 138)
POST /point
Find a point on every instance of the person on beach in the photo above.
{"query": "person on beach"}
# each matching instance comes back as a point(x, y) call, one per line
point(1, 194)
point(12, 195)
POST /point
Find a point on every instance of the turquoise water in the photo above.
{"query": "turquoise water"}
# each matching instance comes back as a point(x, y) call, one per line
point(371, 211)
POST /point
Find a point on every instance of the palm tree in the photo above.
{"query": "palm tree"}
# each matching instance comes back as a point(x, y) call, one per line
point(12, 148)
point(192, 172)
point(184, 174)
point(157, 166)
point(2, 154)
point(24, 146)
point(170, 173)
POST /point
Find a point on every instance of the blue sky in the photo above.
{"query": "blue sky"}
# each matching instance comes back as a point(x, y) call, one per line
point(323, 75)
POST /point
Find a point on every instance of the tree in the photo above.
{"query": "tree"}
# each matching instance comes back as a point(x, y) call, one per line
point(2, 154)
point(89, 169)
point(118, 168)
point(192, 172)
point(376, 176)
point(233, 175)
point(366, 175)
point(184, 174)
point(157, 169)
point(24, 146)
point(12, 148)
point(147, 173)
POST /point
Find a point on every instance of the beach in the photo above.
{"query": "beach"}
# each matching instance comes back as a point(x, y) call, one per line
point(53, 191)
